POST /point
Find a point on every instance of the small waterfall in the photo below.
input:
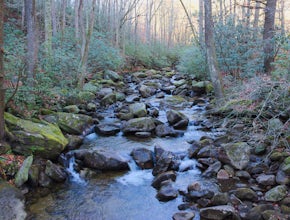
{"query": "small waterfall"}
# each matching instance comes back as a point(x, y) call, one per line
point(74, 176)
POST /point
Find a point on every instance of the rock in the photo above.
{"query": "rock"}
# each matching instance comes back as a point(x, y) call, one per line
point(282, 178)
point(256, 212)
point(164, 130)
point(74, 141)
point(104, 92)
point(275, 125)
point(183, 216)
point(107, 129)
point(157, 181)
point(177, 119)
point(102, 160)
point(147, 91)
point(243, 174)
point(143, 158)
point(220, 199)
point(70, 123)
point(11, 202)
point(144, 124)
point(178, 83)
point(273, 215)
point(160, 95)
point(109, 99)
point(91, 87)
point(55, 172)
point(71, 109)
point(138, 110)
point(266, 180)
point(202, 87)
point(111, 75)
point(219, 213)
point(276, 194)
point(22, 174)
point(167, 192)
point(132, 98)
point(91, 107)
point(84, 97)
point(223, 175)
point(173, 101)
point(238, 154)
point(194, 195)
point(163, 163)
point(44, 180)
point(212, 169)
point(246, 194)
point(143, 134)
point(43, 139)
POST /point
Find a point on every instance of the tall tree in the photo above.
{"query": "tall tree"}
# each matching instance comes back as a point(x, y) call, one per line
point(211, 52)
point(268, 34)
point(2, 73)
point(200, 21)
point(257, 14)
point(32, 47)
point(48, 33)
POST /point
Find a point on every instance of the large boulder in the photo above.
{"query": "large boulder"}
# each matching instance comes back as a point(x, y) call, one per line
point(11, 202)
point(138, 110)
point(236, 154)
point(70, 123)
point(102, 160)
point(177, 119)
point(144, 124)
point(43, 139)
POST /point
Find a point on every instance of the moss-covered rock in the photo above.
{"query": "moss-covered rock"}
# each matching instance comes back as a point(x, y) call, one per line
point(70, 123)
point(43, 139)
point(22, 174)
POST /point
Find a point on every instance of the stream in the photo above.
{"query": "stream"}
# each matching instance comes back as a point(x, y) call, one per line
point(124, 195)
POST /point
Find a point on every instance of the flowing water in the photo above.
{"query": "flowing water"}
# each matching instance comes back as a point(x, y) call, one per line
point(122, 195)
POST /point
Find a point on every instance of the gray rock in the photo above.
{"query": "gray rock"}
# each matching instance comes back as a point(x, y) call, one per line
point(147, 91)
point(164, 163)
point(219, 213)
point(276, 194)
point(143, 158)
point(109, 99)
point(107, 129)
point(111, 75)
point(167, 192)
point(256, 212)
point(177, 119)
point(212, 169)
point(11, 203)
point(183, 216)
point(103, 92)
point(164, 130)
point(138, 109)
point(71, 109)
point(282, 178)
point(157, 181)
point(22, 174)
point(266, 180)
point(144, 124)
point(246, 194)
point(74, 141)
point(132, 98)
point(102, 160)
point(143, 134)
point(55, 172)
point(220, 199)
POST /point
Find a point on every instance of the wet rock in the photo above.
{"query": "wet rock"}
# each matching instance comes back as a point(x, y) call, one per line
point(220, 199)
point(138, 110)
point(238, 154)
point(194, 149)
point(167, 191)
point(276, 194)
point(132, 98)
point(107, 129)
point(219, 213)
point(43, 139)
point(55, 172)
point(164, 163)
point(143, 134)
point(212, 169)
point(285, 205)
point(91, 107)
point(74, 141)
point(223, 175)
point(11, 202)
point(207, 151)
point(143, 158)
point(194, 195)
point(153, 112)
point(147, 91)
point(168, 89)
point(33, 175)
point(157, 181)
point(104, 92)
point(164, 130)
point(44, 180)
point(282, 178)
point(266, 180)
point(160, 95)
point(243, 174)
point(177, 119)
point(256, 212)
point(22, 174)
point(246, 194)
point(144, 124)
point(109, 99)
point(183, 216)
point(102, 160)
point(273, 215)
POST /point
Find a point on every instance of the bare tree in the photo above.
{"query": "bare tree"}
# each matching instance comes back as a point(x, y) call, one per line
point(268, 34)
point(48, 32)
point(211, 53)
point(2, 73)
point(200, 21)
point(257, 14)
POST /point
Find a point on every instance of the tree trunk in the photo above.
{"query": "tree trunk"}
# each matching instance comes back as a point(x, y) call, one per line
point(32, 48)
point(48, 34)
point(200, 22)
point(282, 17)
point(2, 73)
point(54, 18)
point(268, 34)
point(257, 15)
point(211, 53)
point(63, 16)
point(85, 51)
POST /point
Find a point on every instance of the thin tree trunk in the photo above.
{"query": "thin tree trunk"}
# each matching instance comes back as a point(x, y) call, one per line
point(63, 16)
point(76, 19)
point(54, 18)
point(268, 34)
point(221, 19)
point(2, 73)
point(248, 14)
point(32, 48)
point(48, 34)
point(282, 11)
point(85, 52)
point(211, 53)
point(200, 21)
point(257, 15)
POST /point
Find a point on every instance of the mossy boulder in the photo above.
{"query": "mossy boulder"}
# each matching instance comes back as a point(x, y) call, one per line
point(43, 139)
point(70, 123)
point(111, 75)
point(22, 174)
